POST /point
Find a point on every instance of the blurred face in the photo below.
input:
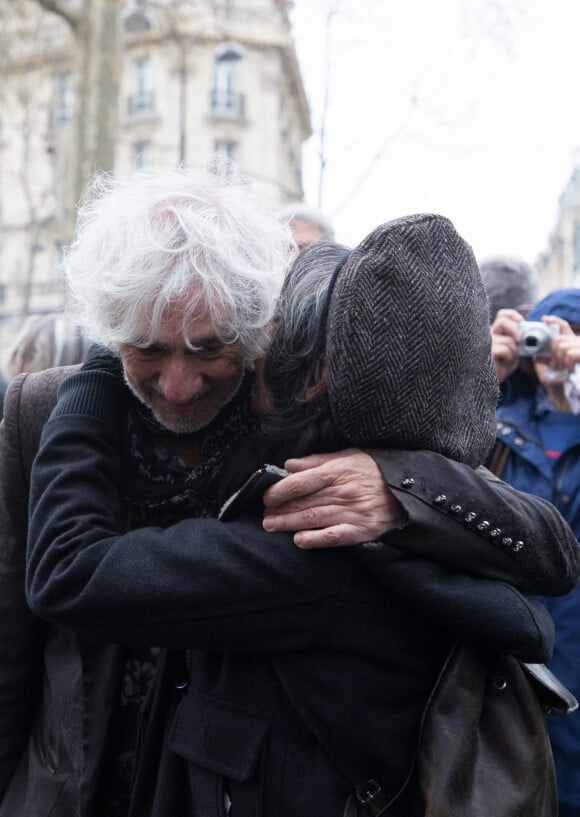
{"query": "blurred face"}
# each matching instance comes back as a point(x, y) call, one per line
point(305, 232)
point(184, 388)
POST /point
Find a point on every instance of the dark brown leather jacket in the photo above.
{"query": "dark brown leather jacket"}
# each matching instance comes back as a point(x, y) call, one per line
point(55, 691)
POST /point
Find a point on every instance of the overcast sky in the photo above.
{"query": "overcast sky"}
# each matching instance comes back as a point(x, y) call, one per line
point(470, 108)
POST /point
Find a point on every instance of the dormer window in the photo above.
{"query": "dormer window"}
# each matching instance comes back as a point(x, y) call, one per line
point(226, 100)
point(141, 101)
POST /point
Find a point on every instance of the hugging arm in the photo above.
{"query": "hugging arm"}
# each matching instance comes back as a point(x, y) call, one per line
point(200, 582)
point(430, 507)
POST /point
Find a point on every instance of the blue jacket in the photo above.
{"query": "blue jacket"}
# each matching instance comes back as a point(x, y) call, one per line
point(528, 469)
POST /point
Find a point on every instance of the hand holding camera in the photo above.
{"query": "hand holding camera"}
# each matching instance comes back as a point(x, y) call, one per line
point(553, 339)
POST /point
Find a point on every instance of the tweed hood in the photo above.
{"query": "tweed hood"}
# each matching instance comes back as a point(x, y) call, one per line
point(408, 353)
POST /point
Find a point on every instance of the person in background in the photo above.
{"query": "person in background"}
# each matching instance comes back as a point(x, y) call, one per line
point(538, 441)
point(45, 341)
point(308, 224)
point(510, 283)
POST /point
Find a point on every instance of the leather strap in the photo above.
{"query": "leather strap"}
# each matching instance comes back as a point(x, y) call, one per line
point(368, 792)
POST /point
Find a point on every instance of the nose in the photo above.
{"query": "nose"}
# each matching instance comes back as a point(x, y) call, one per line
point(180, 380)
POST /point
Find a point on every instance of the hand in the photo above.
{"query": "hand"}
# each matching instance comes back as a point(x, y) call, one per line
point(565, 351)
point(504, 342)
point(332, 500)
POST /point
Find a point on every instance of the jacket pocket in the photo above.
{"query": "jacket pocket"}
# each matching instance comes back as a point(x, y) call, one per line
point(224, 746)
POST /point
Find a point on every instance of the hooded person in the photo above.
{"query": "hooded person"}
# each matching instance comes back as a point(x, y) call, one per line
point(259, 625)
point(538, 433)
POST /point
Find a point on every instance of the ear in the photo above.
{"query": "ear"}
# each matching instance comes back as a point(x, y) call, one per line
point(319, 386)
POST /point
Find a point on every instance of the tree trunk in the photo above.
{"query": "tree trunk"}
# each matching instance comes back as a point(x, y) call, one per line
point(98, 55)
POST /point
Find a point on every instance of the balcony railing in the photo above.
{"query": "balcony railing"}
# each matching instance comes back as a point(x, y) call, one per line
point(227, 103)
point(140, 104)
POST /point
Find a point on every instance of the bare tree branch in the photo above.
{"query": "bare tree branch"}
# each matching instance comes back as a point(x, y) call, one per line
point(56, 7)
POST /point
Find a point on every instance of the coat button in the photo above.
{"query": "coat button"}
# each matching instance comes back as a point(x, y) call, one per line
point(519, 441)
point(408, 482)
point(506, 431)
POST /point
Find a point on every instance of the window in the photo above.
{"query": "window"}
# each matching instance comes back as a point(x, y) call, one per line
point(225, 98)
point(576, 247)
point(142, 155)
point(141, 101)
point(225, 153)
point(136, 20)
point(62, 111)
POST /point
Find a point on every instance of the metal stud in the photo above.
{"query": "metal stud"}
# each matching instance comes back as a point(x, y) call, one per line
point(469, 517)
point(484, 525)
point(495, 533)
point(440, 499)
point(507, 541)
point(408, 482)
point(519, 545)
point(456, 509)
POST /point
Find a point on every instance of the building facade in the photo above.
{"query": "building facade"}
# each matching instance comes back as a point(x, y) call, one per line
point(199, 80)
point(559, 266)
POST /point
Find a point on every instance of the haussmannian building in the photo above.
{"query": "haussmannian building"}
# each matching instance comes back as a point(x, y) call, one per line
point(200, 80)
point(559, 266)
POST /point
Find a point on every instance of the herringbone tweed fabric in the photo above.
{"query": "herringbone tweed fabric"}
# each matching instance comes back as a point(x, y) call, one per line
point(408, 344)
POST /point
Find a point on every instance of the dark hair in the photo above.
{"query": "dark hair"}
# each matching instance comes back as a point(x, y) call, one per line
point(295, 359)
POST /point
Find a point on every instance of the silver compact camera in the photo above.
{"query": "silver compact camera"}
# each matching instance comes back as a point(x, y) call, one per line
point(536, 338)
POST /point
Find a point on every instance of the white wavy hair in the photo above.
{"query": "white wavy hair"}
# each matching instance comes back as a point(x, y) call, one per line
point(151, 242)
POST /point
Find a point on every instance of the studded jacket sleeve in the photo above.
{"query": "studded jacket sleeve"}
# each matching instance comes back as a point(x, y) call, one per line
point(471, 521)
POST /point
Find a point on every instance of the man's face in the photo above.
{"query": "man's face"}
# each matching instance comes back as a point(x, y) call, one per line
point(184, 389)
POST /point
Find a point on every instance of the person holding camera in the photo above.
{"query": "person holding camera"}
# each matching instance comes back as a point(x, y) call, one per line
point(538, 446)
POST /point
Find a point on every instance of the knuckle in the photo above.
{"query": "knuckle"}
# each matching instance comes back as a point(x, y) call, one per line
point(332, 536)
point(311, 517)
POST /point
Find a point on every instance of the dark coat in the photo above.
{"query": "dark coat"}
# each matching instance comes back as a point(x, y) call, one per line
point(363, 659)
